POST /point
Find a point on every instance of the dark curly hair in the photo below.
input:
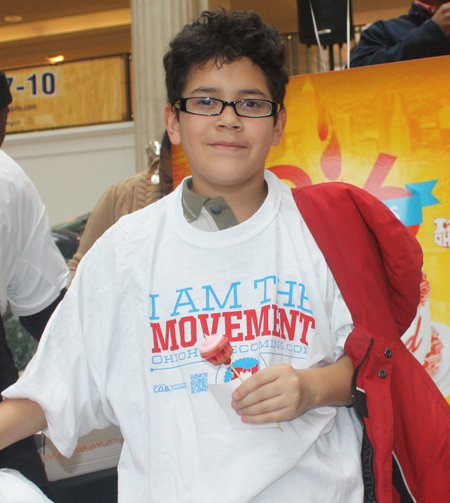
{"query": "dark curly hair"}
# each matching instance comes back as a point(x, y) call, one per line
point(5, 93)
point(222, 38)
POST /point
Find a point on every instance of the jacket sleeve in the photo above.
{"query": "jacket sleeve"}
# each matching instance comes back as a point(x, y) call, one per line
point(362, 237)
point(380, 44)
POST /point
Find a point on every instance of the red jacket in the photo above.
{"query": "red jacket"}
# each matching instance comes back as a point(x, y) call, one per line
point(377, 264)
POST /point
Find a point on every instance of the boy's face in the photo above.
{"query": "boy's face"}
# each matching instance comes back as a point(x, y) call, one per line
point(226, 151)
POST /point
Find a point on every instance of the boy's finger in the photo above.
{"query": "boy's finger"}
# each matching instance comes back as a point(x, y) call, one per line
point(268, 417)
point(254, 382)
point(245, 388)
point(262, 407)
point(259, 395)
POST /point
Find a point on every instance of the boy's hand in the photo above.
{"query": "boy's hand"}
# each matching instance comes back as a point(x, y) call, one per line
point(282, 393)
point(277, 393)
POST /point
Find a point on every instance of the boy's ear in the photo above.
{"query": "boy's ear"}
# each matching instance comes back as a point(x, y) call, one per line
point(278, 127)
point(172, 124)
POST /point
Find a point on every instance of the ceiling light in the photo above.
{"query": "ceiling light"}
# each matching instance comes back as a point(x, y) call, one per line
point(13, 19)
point(55, 59)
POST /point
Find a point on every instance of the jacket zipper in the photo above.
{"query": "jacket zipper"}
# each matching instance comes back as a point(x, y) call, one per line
point(368, 498)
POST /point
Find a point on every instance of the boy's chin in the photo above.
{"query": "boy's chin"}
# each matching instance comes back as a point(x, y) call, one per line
point(228, 180)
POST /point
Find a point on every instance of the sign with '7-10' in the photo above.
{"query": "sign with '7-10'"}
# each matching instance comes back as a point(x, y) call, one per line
point(79, 93)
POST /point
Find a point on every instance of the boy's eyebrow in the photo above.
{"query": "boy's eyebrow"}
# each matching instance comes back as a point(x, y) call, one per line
point(205, 90)
point(210, 91)
point(252, 91)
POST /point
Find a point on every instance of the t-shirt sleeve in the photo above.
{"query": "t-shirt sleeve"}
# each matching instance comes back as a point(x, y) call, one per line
point(341, 322)
point(34, 270)
point(40, 272)
point(65, 378)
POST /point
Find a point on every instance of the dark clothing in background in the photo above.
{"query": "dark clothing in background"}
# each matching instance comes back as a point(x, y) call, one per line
point(412, 36)
point(35, 323)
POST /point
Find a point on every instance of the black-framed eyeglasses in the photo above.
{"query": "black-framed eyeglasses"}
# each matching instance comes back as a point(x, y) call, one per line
point(203, 105)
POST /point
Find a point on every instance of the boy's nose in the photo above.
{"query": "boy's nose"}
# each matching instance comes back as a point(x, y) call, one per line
point(229, 118)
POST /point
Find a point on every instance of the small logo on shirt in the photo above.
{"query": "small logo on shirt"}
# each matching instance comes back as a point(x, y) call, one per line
point(199, 383)
point(243, 366)
point(162, 388)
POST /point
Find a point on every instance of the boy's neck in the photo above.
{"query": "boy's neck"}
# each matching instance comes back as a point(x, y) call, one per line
point(244, 201)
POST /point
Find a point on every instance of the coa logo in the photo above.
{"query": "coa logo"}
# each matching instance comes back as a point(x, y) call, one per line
point(160, 388)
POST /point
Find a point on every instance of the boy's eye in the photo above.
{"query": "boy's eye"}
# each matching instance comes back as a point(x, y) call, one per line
point(251, 104)
point(254, 108)
point(205, 102)
point(203, 106)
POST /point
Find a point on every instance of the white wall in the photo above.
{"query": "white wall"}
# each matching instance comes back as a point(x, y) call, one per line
point(72, 168)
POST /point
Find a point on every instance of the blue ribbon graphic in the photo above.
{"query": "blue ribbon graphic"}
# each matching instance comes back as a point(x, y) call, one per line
point(409, 209)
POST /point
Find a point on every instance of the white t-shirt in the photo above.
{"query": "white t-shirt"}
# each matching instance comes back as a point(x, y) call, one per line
point(32, 270)
point(15, 488)
point(123, 348)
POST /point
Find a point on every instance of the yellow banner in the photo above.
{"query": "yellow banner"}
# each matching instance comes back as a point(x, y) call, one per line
point(385, 128)
point(69, 94)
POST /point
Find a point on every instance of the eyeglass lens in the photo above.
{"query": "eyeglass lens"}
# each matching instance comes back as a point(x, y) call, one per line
point(209, 106)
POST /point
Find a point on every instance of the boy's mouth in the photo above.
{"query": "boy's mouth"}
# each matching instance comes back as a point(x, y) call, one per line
point(227, 145)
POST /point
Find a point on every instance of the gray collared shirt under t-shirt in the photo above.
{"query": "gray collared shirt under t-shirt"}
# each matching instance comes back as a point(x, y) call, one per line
point(206, 213)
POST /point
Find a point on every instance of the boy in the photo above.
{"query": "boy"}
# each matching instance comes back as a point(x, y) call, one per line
point(124, 346)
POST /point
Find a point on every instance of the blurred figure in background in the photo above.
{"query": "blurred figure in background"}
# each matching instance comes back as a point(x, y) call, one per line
point(422, 33)
point(33, 277)
point(127, 196)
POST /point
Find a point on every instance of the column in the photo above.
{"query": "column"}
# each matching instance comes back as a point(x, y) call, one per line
point(153, 25)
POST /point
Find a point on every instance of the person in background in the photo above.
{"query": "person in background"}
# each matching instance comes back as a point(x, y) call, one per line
point(33, 277)
point(127, 196)
point(422, 33)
